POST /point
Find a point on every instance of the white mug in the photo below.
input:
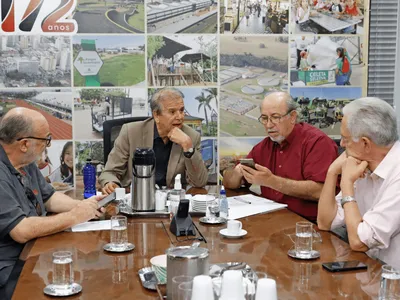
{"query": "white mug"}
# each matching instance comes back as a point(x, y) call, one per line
point(234, 227)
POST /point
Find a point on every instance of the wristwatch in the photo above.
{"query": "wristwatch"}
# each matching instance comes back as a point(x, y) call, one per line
point(347, 199)
point(189, 153)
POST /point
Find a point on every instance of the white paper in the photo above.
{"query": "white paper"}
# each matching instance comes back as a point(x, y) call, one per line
point(92, 226)
point(240, 209)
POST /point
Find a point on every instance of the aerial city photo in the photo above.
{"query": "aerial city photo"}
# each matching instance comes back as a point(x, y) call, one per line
point(111, 16)
point(182, 16)
point(35, 61)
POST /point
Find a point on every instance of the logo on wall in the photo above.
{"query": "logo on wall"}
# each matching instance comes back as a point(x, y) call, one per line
point(37, 17)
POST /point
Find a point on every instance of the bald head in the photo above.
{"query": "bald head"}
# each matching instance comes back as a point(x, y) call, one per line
point(19, 122)
point(279, 100)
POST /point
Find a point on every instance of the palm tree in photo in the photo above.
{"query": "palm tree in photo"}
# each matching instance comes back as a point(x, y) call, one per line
point(204, 101)
point(214, 93)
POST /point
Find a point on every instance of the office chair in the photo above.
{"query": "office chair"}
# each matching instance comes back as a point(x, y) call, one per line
point(111, 129)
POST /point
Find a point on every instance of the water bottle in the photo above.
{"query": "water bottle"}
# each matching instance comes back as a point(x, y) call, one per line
point(89, 179)
point(223, 204)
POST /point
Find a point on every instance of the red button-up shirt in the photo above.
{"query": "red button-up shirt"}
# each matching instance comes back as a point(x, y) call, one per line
point(305, 154)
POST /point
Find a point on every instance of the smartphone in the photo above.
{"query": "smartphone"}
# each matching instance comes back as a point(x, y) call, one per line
point(105, 201)
point(249, 162)
point(339, 266)
point(183, 208)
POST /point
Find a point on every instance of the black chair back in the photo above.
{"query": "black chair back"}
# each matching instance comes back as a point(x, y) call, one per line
point(111, 129)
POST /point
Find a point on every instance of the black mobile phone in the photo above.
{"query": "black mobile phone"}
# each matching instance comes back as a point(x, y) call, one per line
point(249, 162)
point(105, 201)
point(339, 266)
point(183, 208)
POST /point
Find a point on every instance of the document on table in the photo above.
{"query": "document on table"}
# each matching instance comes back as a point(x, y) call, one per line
point(248, 205)
point(92, 226)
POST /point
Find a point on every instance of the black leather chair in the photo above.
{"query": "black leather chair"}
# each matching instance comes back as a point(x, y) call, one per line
point(111, 129)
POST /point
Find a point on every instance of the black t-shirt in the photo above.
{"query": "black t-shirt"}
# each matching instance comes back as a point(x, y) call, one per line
point(162, 152)
point(15, 206)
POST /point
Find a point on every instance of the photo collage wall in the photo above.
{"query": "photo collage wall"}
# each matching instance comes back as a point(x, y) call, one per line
point(224, 56)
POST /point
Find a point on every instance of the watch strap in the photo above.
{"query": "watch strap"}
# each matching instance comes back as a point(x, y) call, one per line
point(347, 199)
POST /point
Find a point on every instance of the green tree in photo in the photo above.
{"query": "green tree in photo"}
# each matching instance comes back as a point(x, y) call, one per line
point(90, 94)
point(214, 93)
point(154, 43)
point(204, 101)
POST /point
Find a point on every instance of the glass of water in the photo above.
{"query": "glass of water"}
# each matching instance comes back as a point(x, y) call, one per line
point(304, 239)
point(119, 232)
point(212, 208)
point(390, 283)
point(63, 274)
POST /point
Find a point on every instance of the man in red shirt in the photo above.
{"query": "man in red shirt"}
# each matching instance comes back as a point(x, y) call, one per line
point(291, 163)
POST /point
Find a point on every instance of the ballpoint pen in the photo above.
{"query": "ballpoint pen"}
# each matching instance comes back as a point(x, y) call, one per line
point(242, 200)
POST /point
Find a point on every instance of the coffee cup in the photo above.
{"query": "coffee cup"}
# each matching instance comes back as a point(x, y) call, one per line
point(234, 227)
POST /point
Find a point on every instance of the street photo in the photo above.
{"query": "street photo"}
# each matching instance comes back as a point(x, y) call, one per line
point(201, 109)
point(35, 61)
point(93, 107)
point(254, 17)
point(182, 16)
point(328, 17)
point(109, 60)
point(250, 68)
point(326, 61)
point(182, 60)
point(323, 107)
point(111, 16)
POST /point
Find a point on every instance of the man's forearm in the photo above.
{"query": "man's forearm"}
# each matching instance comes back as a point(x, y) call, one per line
point(327, 206)
point(59, 203)
point(232, 179)
point(306, 189)
point(34, 227)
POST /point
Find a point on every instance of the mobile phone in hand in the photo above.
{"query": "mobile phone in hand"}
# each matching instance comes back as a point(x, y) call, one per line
point(249, 162)
point(340, 266)
point(105, 201)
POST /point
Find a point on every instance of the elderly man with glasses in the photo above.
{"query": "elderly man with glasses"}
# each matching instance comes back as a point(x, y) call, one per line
point(291, 162)
point(26, 196)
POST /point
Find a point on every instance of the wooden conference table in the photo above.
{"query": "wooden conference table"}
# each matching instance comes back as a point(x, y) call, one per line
point(264, 248)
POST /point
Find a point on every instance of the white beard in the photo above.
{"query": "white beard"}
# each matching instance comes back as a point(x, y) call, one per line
point(278, 139)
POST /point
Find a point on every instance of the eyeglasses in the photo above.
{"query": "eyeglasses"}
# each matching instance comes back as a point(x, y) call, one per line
point(30, 195)
point(275, 119)
point(47, 139)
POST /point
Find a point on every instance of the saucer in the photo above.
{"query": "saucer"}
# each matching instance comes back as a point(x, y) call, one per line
point(224, 233)
point(110, 248)
point(208, 220)
point(314, 254)
point(54, 290)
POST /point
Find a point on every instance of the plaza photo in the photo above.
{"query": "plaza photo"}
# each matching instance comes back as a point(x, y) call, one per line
point(182, 16)
point(116, 56)
point(111, 16)
point(250, 68)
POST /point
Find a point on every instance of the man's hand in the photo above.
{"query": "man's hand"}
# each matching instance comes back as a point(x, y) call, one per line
point(177, 136)
point(336, 166)
point(353, 169)
point(86, 210)
point(261, 175)
point(109, 188)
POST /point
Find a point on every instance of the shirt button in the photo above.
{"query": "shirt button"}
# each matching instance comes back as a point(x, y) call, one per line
point(280, 166)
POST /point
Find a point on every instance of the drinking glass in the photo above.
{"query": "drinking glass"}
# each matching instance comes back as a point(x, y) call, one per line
point(185, 291)
point(390, 283)
point(119, 232)
point(63, 274)
point(212, 210)
point(176, 281)
point(304, 239)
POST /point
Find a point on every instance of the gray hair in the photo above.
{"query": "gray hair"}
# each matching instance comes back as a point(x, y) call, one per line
point(160, 95)
point(15, 126)
point(372, 118)
point(291, 105)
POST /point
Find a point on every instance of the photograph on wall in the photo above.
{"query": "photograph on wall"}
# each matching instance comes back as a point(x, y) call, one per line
point(35, 61)
point(209, 153)
point(233, 149)
point(327, 17)
point(254, 16)
point(201, 109)
point(182, 16)
point(326, 61)
point(250, 68)
point(111, 16)
point(93, 107)
point(88, 150)
point(54, 105)
point(57, 165)
point(323, 107)
point(182, 60)
point(109, 60)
